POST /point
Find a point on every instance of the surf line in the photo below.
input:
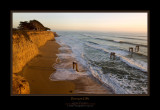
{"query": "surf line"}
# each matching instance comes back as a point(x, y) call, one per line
point(124, 59)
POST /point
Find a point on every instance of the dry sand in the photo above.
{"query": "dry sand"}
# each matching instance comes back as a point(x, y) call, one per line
point(39, 69)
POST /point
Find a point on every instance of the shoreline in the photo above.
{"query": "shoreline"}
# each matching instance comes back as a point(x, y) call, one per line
point(39, 69)
point(84, 83)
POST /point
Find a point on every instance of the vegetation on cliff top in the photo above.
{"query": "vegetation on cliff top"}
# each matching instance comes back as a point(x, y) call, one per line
point(32, 25)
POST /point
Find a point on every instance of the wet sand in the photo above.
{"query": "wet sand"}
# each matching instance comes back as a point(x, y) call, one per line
point(38, 71)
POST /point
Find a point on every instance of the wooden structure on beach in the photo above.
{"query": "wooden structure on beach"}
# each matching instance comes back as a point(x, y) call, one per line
point(112, 55)
point(75, 64)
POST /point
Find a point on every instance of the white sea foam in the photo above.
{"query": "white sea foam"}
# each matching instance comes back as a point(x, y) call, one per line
point(65, 55)
point(65, 74)
point(122, 86)
point(64, 69)
point(131, 62)
point(118, 41)
point(118, 85)
point(134, 63)
point(105, 79)
point(129, 86)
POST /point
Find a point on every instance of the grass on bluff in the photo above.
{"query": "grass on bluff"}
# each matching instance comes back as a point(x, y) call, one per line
point(21, 32)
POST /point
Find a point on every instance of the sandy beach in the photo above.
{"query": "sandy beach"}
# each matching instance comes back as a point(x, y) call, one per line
point(39, 69)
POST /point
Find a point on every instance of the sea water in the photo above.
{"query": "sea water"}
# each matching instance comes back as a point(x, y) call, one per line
point(125, 74)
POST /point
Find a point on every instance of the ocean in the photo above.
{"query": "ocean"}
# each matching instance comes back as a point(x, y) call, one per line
point(125, 74)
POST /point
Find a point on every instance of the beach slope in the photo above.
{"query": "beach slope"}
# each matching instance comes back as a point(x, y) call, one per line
point(38, 70)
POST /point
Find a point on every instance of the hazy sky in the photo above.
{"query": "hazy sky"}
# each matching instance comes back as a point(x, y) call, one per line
point(121, 22)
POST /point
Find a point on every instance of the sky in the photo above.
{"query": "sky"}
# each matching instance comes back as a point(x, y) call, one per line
point(108, 22)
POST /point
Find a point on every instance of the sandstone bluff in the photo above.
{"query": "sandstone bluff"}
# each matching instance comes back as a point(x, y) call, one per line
point(25, 46)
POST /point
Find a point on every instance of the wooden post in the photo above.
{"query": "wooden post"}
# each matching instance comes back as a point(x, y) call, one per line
point(112, 54)
point(74, 63)
point(77, 67)
point(131, 48)
point(137, 48)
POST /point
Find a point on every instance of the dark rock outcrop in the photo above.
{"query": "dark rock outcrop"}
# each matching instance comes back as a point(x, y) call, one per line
point(55, 34)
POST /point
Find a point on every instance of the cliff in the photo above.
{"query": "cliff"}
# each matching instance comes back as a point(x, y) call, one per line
point(25, 46)
point(19, 85)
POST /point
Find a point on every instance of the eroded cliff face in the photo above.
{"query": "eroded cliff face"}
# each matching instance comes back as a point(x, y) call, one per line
point(20, 85)
point(24, 47)
point(41, 37)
